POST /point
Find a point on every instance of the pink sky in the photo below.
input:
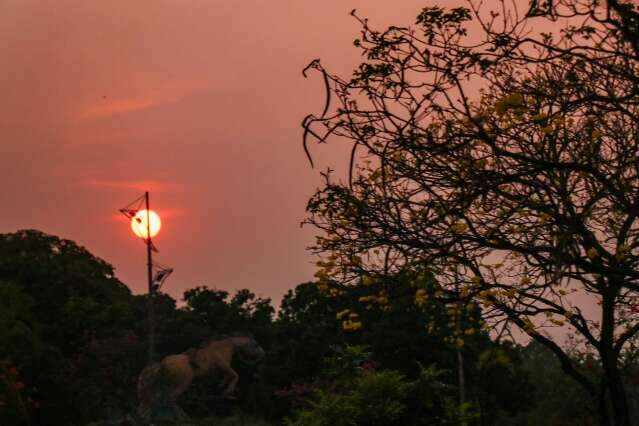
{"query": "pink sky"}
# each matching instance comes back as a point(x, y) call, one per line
point(198, 101)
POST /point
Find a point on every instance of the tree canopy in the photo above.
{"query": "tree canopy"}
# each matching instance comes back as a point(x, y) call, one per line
point(505, 160)
point(332, 348)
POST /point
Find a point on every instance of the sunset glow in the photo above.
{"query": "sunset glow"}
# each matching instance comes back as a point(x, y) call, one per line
point(139, 223)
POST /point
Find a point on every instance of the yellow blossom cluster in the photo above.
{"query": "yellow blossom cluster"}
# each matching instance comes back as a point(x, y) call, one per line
point(367, 280)
point(529, 327)
point(420, 297)
point(457, 341)
point(342, 314)
point(355, 261)
point(335, 292)
point(326, 269)
point(351, 325)
point(622, 251)
point(510, 292)
point(508, 102)
point(517, 229)
point(321, 275)
point(458, 227)
point(545, 218)
point(380, 298)
point(352, 322)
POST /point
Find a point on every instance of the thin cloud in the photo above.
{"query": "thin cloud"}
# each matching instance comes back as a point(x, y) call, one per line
point(110, 107)
point(107, 106)
point(139, 185)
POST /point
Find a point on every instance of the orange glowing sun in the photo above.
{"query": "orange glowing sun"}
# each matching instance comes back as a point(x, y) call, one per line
point(139, 224)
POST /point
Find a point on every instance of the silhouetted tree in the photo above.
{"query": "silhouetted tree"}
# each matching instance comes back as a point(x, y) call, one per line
point(507, 162)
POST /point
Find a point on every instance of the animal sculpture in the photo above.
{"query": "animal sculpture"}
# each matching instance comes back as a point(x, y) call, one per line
point(163, 382)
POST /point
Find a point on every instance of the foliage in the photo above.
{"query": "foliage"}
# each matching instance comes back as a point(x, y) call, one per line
point(59, 299)
point(75, 294)
point(396, 334)
point(558, 401)
point(73, 338)
point(512, 386)
point(353, 393)
point(523, 197)
point(314, 366)
point(15, 405)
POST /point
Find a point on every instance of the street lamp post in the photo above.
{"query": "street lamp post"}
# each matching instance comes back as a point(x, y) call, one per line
point(151, 290)
point(145, 223)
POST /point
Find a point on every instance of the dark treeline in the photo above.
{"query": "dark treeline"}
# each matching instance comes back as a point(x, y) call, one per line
point(72, 343)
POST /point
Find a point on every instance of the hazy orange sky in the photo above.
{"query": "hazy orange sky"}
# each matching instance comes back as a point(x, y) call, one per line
point(197, 101)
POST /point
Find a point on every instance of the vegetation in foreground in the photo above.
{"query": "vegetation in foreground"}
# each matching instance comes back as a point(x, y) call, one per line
point(335, 354)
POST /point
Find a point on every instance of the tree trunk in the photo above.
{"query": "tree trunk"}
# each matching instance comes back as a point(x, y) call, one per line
point(617, 393)
point(604, 410)
point(609, 358)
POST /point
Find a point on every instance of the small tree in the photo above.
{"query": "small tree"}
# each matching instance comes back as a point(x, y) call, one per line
point(508, 165)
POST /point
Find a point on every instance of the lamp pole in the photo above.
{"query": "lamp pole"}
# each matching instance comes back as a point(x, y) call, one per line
point(134, 213)
point(150, 304)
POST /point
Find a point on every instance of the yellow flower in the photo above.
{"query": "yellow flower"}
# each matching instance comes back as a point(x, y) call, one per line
point(622, 251)
point(545, 217)
point(351, 325)
point(382, 300)
point(342, 314)
point(366, 280)
point(511, 292)
point(356, 261)
point(540, 117)
point(459, 227)
point(321, 274)
point(529, 327)
point(592, 253)
point(517, 229)
point(512, 100)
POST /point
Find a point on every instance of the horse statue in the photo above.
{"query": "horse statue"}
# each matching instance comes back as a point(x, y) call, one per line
point(163, 382)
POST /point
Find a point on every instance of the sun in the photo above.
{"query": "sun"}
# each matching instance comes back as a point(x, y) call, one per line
point(139, 224)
